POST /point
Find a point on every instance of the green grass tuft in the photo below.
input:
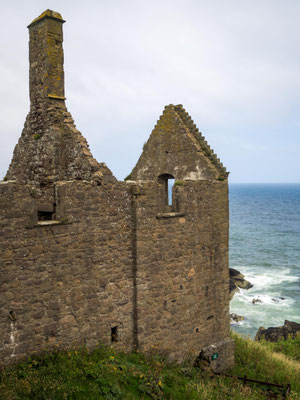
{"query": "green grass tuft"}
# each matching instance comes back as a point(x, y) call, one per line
point(179, 183)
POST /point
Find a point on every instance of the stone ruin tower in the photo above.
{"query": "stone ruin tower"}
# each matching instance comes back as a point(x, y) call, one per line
point(88, 259)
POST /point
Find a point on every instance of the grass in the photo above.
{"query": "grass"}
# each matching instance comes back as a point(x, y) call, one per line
point(107, 374)
point(290, 348)
point(179, 183)
point(258, 361)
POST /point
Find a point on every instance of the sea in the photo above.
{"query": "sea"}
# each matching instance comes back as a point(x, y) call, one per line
point(264, 245)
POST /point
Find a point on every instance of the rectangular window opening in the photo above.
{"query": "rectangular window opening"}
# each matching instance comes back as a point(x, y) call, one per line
point(114, 334)
point(45, 215)
point(170, 191)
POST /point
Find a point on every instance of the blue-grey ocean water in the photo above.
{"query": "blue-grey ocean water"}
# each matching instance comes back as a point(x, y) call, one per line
point(265, 247)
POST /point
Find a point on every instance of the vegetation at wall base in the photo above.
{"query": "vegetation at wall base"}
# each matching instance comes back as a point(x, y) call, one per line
point(107, 374)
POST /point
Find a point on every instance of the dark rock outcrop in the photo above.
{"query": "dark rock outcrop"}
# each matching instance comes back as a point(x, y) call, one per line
point(273, 334)
point(237, 281)
point(254, 301)
point(237, 318)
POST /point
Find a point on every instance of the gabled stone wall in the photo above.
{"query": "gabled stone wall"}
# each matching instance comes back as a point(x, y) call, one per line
point(182, 274)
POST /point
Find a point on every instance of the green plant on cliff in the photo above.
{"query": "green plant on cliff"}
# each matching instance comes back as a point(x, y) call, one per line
point(36, 136)
point(107, 374)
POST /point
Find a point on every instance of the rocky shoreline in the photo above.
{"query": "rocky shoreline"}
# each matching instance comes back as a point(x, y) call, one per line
point(273, 334)
point(291, 329)
point(237, 281)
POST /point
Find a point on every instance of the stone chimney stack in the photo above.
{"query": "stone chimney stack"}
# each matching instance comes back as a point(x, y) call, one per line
point(50, 148)
point(46, 58)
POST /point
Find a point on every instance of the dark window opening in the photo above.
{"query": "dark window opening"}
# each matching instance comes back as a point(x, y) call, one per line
point(12, 316)
point(45, 215)
point(114, 334)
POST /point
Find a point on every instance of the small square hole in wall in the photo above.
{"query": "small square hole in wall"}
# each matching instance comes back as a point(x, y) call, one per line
point(114, 334)
point(45, 215)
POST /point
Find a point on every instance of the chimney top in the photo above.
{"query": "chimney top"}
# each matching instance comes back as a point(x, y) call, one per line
point(47, 14)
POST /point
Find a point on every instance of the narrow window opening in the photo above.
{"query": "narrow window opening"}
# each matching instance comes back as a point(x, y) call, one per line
point(114, 334)
point(167, 182)
point(170, 191)
point(45, 215)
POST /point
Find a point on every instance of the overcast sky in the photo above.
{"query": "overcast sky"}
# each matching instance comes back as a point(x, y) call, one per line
point(234, 65)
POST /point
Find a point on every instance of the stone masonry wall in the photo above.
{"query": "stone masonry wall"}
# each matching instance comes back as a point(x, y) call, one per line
point(70, 282)
point(182, 268)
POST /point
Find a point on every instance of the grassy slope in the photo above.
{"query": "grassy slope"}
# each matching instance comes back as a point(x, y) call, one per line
point(105, 374)
point(290, 348)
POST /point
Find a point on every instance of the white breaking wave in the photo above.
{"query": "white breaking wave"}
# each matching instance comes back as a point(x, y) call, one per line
point(264, 299)
point(264, 304)
point(268, 278)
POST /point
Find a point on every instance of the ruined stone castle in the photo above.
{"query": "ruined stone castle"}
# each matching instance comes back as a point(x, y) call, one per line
point(87, 259)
